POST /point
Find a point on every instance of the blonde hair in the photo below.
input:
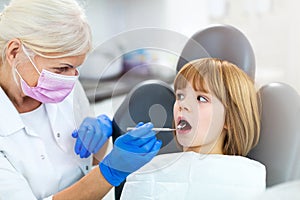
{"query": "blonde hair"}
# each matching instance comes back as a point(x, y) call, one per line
point(45, 27)
point(237, 93)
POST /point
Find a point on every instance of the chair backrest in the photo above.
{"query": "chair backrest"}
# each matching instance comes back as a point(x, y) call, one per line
point(220, 41)
point(288, 190)
point(279, 145)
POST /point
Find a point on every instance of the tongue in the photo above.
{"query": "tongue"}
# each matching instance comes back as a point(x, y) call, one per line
point(187, 125)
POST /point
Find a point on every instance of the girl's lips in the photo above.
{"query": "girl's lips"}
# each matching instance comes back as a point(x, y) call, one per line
point(180, 118)
point(183, 131)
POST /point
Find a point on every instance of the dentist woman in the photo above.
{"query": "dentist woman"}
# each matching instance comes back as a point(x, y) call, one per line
point(42, 103)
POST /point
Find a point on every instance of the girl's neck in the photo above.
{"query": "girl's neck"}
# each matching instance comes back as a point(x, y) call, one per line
point(203, 150)
point(215, 147)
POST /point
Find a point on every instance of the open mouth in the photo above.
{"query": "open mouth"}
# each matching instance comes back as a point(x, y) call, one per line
point(184, 125)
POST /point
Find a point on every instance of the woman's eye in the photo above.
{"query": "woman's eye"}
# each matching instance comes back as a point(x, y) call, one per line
point(62, 69)
point(202, 99)
point(179, 96)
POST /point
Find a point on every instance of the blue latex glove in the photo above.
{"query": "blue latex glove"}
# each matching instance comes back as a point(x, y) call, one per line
point(91, 135)
point(130, 152)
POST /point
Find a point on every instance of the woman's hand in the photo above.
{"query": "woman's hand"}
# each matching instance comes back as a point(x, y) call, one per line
point(131, 151)
point(91, 135)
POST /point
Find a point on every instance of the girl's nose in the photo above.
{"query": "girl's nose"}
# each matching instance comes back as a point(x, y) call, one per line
point(183, 106)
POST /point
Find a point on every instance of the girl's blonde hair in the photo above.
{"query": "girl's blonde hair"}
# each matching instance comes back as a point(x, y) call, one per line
point(237, 93)
point(45, 27)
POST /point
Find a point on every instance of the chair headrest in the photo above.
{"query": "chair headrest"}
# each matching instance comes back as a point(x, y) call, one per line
point(220, 41)
point(150, 101)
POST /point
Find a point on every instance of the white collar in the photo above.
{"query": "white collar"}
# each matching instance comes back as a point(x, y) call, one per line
point(10, 120)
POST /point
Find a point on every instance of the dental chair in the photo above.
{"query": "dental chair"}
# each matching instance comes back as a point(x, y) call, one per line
point(220, 41)
point(153, 100)
point(279, 145)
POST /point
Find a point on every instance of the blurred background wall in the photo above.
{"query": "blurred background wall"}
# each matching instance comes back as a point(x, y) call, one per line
point(272, 26)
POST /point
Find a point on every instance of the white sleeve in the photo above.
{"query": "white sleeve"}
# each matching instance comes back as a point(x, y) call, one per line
point(13, 185)
point(48, 198)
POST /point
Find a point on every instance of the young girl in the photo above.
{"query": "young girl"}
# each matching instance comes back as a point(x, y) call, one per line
point(217, 104)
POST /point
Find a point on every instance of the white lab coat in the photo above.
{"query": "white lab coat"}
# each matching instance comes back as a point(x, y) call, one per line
point(25, 170)
point(190, 175)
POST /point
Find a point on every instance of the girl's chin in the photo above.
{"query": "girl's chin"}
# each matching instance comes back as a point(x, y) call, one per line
point(185, 144)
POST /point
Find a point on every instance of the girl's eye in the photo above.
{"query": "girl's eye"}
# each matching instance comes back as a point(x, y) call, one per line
point(202, 99)
point(179, 96)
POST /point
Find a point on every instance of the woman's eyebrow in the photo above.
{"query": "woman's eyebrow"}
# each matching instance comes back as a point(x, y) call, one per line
point(71, 66)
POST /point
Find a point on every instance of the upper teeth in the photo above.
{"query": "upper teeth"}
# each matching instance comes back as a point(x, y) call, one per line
point(182, 124)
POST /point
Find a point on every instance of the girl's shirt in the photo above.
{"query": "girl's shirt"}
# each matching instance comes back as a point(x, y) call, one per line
point(189, 175)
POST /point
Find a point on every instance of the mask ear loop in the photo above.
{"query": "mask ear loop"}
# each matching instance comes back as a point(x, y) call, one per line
point(14, 68)
point(27, 54)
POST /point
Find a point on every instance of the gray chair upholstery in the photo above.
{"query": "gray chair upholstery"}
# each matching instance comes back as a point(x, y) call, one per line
point(279, 145)
point(220, 41)
point(150, 101)
point(288, 190)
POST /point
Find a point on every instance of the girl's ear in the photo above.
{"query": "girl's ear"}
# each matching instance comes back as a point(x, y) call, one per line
point(225, 127)
point(14, 47)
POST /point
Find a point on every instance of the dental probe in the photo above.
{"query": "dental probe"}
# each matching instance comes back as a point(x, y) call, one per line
point(180, 126)
point(154, 129)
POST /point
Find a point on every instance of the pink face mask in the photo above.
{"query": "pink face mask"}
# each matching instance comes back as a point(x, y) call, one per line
point(51, 87)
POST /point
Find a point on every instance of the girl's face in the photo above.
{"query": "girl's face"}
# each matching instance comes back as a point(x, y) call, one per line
point(204, 116)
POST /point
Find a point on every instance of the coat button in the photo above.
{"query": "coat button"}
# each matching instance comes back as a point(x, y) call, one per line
point(86, 168)
point(42, 157)
point(58, 134)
